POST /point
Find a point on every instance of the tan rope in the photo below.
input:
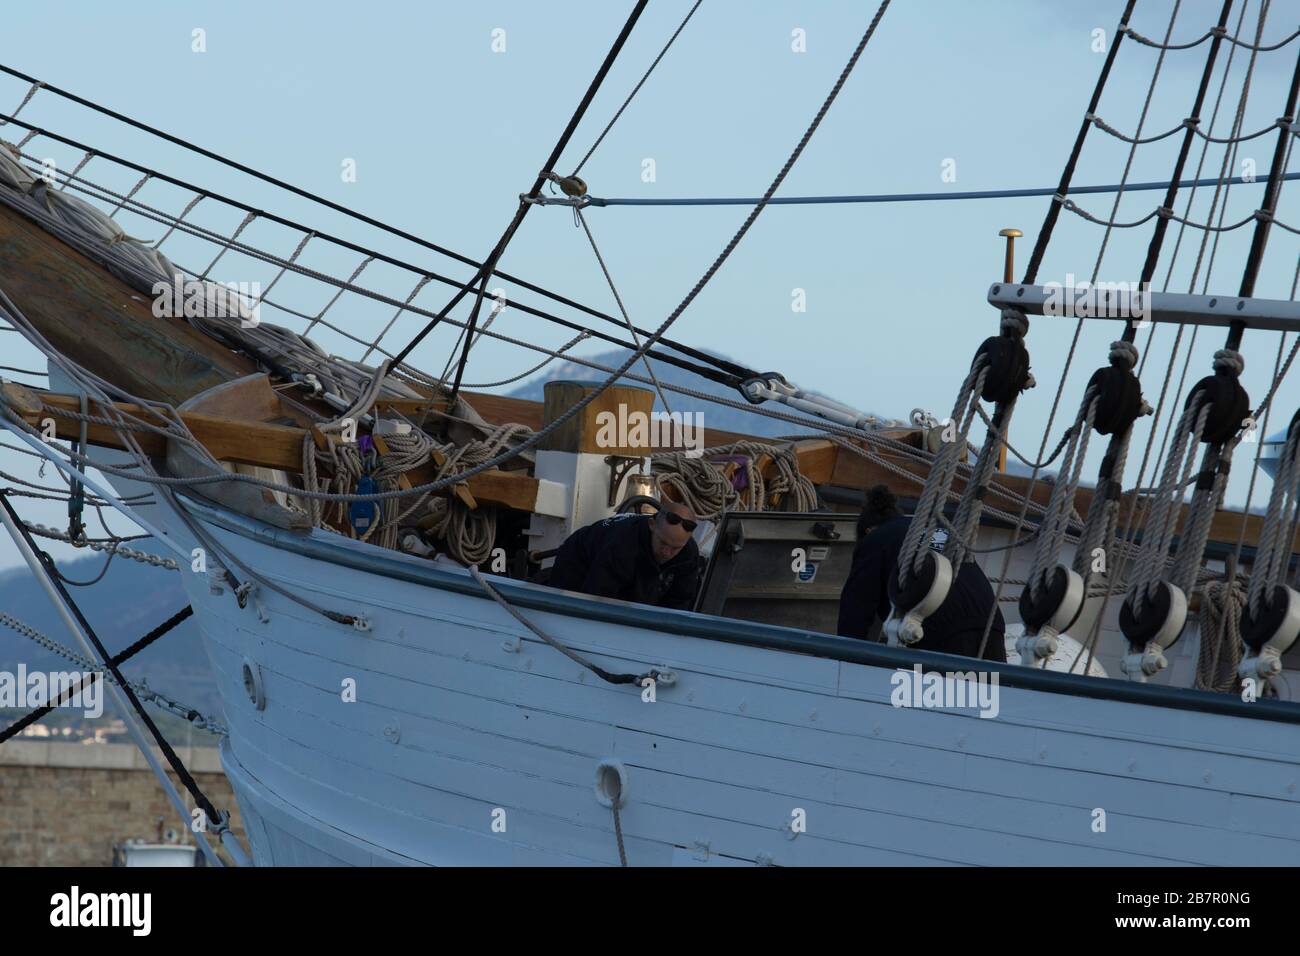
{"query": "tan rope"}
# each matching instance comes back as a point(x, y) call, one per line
point(702, 486)
point(1216, 666)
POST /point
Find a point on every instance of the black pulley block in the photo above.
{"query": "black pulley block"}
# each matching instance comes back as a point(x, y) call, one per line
point(1119, 399)
point(1229, 405)
point(1036, 613)
point(1140, 630)
point(1008, 368)
point(915, 593)
point(1256, 631)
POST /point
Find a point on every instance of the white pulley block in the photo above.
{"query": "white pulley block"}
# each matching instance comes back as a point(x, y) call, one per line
point(1175, 621)
point(1070, 604)
point(1268, 662)
point(1042, 644)
point(907, 627)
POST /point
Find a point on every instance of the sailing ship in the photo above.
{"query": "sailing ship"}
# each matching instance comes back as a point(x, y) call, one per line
point(358, 542)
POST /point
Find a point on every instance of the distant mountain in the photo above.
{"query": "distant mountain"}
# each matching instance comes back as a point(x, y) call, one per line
point(715, 416)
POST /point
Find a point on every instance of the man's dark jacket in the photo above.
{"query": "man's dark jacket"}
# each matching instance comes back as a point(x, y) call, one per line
point(957, 627)
point(612, 558)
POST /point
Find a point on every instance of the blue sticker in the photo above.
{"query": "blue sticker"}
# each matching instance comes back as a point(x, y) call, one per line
point(364, 514)
point(808, 573)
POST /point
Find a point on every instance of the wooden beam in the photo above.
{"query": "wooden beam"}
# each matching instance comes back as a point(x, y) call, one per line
point(226, 439)
point(251, 443)
point(817, 459)
point(825, 463)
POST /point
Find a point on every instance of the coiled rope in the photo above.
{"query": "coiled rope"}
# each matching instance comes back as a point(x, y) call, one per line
point(700, 485)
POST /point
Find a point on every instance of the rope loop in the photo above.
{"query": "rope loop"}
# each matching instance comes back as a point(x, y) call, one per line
point(1015, 323)
point(1123, 354)
point(1230, 361)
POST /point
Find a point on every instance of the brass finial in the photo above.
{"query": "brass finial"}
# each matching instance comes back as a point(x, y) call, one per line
point(1011, 235)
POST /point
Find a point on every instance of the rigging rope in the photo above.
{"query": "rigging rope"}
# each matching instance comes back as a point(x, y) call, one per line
point(636, 89)
point(1222, 187)
point(1220, 652)
point(1222, 396)
point(219, 822)
point(910, 197)
point(1191, 123)
point(490, 263)
point(929, 506)
point(727, 373)
point(174, 222)
point(1047, 614)
point(608, 676)
point(619, 299)
point(141, 688)
point(320, 200)
point(1217, 32)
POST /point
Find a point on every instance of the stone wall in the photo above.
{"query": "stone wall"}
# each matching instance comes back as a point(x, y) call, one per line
point(68, 804)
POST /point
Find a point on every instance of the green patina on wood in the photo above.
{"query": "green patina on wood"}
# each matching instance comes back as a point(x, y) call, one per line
point(102, 323)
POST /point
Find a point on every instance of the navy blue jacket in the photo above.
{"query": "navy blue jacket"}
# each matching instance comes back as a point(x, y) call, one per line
point(612, 558)
point(957, 627)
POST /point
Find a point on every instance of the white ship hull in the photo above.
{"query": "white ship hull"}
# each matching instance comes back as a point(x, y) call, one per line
point(459, 750)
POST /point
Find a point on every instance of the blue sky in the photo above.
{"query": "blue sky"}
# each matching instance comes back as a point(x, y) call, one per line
point(445, 134)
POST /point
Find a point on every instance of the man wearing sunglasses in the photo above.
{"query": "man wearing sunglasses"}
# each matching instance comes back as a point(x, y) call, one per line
point(649, 559)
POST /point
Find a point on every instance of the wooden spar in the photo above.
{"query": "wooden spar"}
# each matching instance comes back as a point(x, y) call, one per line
point(104, 325)
point(242, 441)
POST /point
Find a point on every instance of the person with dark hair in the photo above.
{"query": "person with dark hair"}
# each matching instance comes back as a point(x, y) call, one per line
point(957, 627)
point(650, 559)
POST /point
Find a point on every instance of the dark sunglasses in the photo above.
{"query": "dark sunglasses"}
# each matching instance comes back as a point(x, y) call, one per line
point(673, 517)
